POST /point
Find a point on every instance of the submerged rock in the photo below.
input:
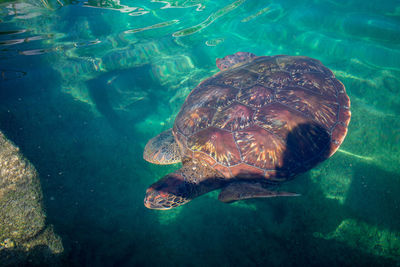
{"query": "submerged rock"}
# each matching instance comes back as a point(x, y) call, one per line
point(369, 238)
point(24, 236)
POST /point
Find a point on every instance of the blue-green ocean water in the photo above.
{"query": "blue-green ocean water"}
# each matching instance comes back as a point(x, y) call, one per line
point(85, 84)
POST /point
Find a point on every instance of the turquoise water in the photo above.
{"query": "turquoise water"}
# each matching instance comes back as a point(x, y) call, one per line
point(84, 85)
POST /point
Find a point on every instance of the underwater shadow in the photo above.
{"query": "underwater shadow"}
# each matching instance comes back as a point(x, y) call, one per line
point(39, 255)
point(374, 196)
point(83, 164)
point(124, 96)
point(288, 227)
point(307, 145)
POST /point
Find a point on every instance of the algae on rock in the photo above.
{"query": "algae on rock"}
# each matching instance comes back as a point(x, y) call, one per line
point(22, 218)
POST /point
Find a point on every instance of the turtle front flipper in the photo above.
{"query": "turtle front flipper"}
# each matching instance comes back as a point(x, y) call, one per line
point(162, 149)
point(245, 190)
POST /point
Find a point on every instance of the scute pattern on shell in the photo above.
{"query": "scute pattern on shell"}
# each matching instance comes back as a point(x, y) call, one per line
point(273, 117)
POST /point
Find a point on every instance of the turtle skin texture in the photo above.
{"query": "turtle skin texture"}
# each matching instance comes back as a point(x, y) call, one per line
point(270, 118)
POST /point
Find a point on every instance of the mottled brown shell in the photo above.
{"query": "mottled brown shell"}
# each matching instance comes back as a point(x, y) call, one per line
point(273, 117)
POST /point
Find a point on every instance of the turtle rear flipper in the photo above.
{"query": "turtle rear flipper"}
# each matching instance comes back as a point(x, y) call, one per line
point(236, 59)
point(162, 149)
point(245, 190)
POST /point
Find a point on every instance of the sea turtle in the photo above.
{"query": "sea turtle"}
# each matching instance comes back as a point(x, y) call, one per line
point(258, 122)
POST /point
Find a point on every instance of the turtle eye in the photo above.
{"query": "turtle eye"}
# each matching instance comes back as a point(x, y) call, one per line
point(161, 186)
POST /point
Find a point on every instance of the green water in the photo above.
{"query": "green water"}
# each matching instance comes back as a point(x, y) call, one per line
point(84, 85)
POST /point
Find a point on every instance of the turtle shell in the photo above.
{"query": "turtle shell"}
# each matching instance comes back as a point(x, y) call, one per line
point(272, 117)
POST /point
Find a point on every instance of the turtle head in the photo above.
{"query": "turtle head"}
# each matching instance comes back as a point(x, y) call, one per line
point(169, 192)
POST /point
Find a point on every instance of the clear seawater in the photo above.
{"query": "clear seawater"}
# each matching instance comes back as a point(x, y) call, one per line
point(85, 84)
